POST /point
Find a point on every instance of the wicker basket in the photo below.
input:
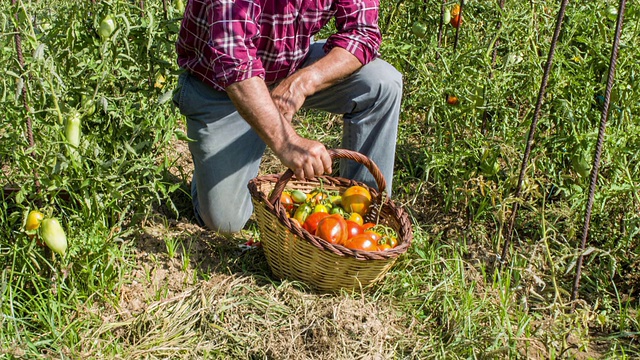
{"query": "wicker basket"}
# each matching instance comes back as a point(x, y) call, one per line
point(294, 253)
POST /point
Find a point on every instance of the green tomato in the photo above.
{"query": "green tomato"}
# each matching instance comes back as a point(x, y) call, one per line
point(107, 26)
point(179, 4)
point(298, 196)
point(72, 129)
point(446, 17)
point(302, 212)
point(419, 29)
point(53, 235)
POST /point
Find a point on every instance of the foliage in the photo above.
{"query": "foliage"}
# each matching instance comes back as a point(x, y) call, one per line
point(456, 171)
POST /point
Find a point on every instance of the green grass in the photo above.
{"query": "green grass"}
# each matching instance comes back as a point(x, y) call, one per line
point(140, 280)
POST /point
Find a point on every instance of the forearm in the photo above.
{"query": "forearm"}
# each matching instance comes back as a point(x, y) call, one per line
point(252, 100)
point(327, 71)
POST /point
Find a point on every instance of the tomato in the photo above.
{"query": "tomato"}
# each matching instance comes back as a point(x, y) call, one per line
point(53, 235)
point(419, 29)
point(384, 247)
point(456, 21)
point(286, 201)
point(320, 208)
point(333, 228)
point(335, 200)
point(362, 242)
point(34, 218)
point(452, 99)
point(179, 4)
point(311, 223)
point(72, 129)
point(317, 196)
point(357, 218)
point(455, 10)
point(356, 199)
point(302, 212)
point(376, 237)
point(107, 26)
point(337, 210)
point(367, 226)
point(298, 196)
point(446, 17)
point(353, 229)
point(388, 240)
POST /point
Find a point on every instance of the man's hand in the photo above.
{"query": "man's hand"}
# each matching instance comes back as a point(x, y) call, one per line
point(306, 158)
point(289, 95)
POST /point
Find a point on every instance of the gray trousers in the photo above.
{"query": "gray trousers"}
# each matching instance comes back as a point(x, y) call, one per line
point(227, 152)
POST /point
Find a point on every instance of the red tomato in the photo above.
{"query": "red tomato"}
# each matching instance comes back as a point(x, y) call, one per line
point(353, 229)
point(362, 242)
point(333, 228)
point(456, 21)
point(312, 221)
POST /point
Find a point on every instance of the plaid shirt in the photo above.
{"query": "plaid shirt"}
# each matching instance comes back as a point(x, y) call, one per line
point(226, 41)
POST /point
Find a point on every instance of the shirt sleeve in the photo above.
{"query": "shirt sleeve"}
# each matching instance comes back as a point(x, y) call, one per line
point(357, 29)
point(222, 33)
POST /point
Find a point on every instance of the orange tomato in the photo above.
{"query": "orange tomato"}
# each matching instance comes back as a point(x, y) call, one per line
point(356, 199)
point(287, 202)
point(452, 100)
point(455, 10)
point(362, 242)
point(384, 247)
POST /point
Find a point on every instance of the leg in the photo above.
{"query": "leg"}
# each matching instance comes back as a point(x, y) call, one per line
point(226, 155)
point(370, 101)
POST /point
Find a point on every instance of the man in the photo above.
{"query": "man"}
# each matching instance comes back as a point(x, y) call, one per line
point(251, 65)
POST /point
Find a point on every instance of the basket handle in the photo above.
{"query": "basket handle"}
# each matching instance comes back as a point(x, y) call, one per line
point(335, 154)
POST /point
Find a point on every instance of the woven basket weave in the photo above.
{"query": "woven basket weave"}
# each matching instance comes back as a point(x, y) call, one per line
point(294, 253)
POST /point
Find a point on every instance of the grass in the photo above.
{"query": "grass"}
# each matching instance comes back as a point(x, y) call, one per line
point(141, 280)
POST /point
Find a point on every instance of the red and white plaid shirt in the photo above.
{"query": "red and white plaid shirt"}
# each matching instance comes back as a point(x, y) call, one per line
point(226, 41)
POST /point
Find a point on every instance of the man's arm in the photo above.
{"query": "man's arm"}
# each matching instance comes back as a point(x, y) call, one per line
point(290, 94)
point(307, 158)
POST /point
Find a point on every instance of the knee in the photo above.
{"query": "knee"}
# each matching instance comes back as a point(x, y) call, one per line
point(224, 219)
point(389, 80)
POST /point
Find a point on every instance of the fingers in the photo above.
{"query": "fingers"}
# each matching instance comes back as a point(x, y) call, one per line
point(311, 161)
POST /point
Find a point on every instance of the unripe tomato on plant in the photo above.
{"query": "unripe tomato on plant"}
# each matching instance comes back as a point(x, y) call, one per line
point(72, 129)
point(53, 235)
point(179, 5)
point(107, 26)
point(446, 17)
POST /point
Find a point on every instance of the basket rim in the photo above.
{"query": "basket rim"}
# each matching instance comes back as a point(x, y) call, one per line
point(405, 233)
